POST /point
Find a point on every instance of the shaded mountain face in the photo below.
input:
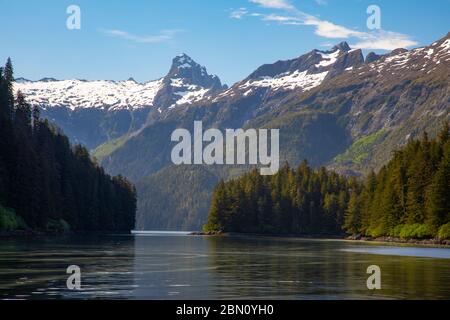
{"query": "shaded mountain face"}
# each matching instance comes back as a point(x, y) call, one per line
point(93, 112)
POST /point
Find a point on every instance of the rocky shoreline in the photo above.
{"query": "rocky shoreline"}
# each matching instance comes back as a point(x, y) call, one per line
point(356, 238)
point(209, 233)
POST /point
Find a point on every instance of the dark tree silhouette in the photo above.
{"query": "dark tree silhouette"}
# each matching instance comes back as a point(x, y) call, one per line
point(46, 183)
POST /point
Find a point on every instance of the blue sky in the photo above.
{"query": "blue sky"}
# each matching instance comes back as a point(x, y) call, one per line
point(138, 38)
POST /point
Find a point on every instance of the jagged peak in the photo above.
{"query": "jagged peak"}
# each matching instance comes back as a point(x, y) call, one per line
point(184, 61)
point(343, 46)
point(372, 57)
point(184, 66)
point(186, 72)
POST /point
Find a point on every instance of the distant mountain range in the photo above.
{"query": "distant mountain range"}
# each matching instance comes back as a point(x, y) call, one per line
point(93, 112)
point(333, 108)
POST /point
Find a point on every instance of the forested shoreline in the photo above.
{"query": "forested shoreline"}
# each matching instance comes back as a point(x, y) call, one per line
point(48, 185)
point(409, 198)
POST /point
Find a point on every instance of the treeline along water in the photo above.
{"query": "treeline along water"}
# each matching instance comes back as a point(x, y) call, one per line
point(47, 184)
point(407, 198)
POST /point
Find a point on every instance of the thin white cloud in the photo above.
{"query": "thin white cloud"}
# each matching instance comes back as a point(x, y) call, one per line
point(379, 39)
point(384, 40)
point(274, 4)
point(163, 36)
point(324, 28)
point(280, 18)
point(328, 29)
point(239, 13)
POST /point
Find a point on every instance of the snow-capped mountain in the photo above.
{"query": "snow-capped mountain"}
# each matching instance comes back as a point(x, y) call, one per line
point(302, 74)
point(186, 82)
point(102, 94)
point(93, 112)
point(421, 61)
point(305, 72)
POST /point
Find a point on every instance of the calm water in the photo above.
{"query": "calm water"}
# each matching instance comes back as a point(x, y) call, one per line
point(176, 266)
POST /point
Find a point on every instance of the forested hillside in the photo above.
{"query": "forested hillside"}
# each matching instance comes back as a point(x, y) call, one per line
point(408, 198)
point(48, 185)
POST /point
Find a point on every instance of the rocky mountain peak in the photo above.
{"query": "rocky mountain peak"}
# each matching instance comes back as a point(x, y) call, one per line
point(183, 61)
point(187, 82)
point(343, 46)
point(184, 69)
point(372, 56)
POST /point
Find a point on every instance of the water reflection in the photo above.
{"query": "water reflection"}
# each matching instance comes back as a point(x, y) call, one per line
point(171, 267)
point(306, 269)
point(187, 267)
point(37, 268)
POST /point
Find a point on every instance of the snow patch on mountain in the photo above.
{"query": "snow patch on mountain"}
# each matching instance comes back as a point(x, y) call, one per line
point(446, 45)
point(424, 60)
point(103, 94)
point(289, 81)
point(195, 93)
point(328, 58)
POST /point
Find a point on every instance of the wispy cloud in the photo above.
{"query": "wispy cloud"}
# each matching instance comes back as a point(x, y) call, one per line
point(379, 39)
point(384, 40)
point(274, 4)
point(239, 13)
point(163, 36)
point(330, 30)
